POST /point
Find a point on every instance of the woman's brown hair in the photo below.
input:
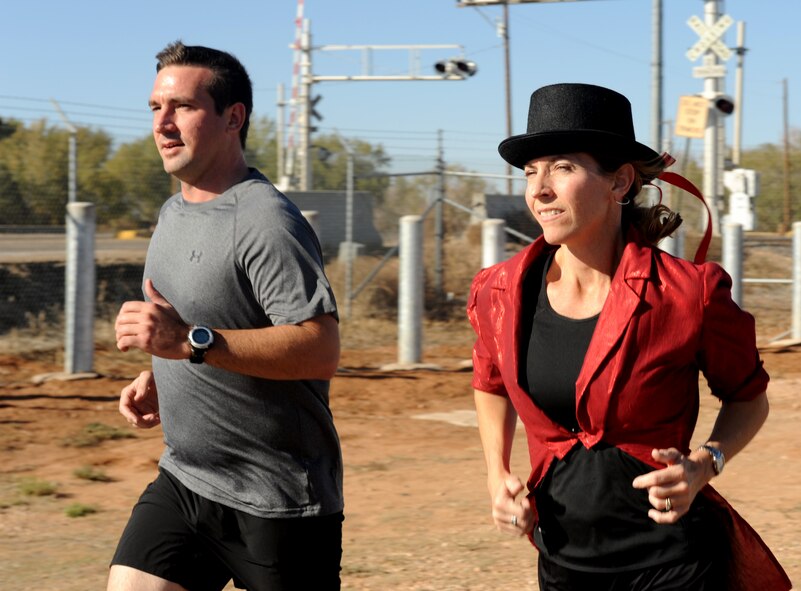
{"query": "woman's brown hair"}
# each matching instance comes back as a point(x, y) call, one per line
point(654, 222)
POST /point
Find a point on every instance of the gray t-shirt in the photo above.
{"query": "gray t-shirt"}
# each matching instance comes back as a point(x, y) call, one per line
point(247, 259)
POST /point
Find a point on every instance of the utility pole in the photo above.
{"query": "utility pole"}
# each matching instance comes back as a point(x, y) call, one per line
point(304, 113)
point(738, 95)
point(656, 76)
point(279, 137)
point(787, 209)
point(439, 231)
point(656, 95)
point(508, 84)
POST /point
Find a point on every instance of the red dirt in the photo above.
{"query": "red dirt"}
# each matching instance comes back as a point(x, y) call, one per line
point(417, 511)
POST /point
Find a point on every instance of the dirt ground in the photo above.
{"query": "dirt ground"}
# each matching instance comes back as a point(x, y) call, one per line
point(417, 511)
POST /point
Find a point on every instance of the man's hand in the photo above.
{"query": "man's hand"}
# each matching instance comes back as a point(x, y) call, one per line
point(139, 402)
point(154, 327)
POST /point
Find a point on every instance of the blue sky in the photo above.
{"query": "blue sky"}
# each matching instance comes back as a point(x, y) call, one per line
point(96, 58)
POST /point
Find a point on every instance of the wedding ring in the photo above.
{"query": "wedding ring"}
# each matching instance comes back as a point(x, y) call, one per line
point(668, 505)
point(514, 520)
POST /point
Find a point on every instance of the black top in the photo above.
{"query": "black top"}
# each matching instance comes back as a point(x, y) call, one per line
point(590, 516)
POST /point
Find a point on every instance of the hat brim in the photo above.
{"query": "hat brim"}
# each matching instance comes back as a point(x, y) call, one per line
point(520, 149)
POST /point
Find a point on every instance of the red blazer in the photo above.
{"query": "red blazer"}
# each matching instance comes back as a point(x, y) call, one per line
point(664, 321)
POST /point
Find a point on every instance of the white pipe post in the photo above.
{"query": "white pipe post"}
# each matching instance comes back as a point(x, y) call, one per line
point(79, 304)
point(349, 235)
point(674, 244)
point(493, 242)
point(410, 290)
point(795, 331)
point(313, 217)
point(732, 244)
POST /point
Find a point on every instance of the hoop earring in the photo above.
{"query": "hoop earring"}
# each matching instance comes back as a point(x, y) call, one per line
point(626, 202)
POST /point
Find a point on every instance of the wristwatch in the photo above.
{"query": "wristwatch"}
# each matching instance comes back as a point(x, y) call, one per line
point(718, 459)
point(200, 340)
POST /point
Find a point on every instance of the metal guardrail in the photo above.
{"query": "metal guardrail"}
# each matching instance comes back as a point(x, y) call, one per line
point(732, 249)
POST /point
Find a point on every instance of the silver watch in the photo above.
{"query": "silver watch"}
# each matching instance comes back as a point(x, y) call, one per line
point(201, 339)
point(718, 459)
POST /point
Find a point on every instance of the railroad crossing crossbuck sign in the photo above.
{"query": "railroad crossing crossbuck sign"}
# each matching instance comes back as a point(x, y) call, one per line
point(709, 37)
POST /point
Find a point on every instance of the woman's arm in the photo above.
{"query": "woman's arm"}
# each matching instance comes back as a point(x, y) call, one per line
point(497, 419)
point(496, 427)
point(736, 425)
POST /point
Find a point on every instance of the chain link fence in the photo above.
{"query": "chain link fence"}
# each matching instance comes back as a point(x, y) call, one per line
point(33, 263)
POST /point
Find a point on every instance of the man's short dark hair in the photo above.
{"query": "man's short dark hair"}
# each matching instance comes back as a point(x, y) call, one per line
point(230, 83)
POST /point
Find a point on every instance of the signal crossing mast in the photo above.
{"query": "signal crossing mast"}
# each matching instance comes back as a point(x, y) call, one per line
point(299, 171)
point(710, 31)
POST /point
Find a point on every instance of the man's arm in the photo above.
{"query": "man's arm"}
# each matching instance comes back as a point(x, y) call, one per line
point(305, 351)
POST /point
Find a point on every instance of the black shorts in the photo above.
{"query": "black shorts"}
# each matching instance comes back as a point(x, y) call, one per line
point(692, 575)
point(199, 544)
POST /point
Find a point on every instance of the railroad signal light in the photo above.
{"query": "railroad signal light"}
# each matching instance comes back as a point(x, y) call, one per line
point(456, 67)
point(723, 104)
point(312, 107)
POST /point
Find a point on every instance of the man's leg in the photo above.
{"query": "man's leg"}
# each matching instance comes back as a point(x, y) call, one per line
point(125, 578)
point(290, 554)
point(160, 549)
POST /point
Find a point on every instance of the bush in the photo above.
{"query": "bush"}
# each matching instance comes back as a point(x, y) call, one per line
point(95, 434)
point(79, 510)
point(33, 487)
point(91, 473)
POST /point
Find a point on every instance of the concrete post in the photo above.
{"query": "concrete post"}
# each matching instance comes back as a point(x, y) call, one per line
point(795, 331)
point(732, 245)
point(674, 244)
point(410, 290)
point(79, 304)
point(313, 217)
point(493, 242)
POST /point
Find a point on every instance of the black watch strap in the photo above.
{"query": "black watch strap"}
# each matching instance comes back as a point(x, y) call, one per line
point(201, 338)
point(197, 355)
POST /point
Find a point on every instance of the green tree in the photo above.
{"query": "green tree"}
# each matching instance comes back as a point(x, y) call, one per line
point(93, 149)
point(412, 195)
point(13, 206)
point(261, 151)
point(768, 160)
point(36, 160)
point(141, 184)
point(329, 160)
point(8, 127)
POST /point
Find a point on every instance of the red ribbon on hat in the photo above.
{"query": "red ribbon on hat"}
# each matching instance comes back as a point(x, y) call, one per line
point(679, 181)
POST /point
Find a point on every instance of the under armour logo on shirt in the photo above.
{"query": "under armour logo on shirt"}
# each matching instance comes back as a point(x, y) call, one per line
point(195, 256)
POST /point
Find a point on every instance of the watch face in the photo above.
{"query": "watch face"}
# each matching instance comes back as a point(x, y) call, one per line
point(201, 336)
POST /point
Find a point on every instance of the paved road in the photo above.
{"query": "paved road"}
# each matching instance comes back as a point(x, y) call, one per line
point(42, 248)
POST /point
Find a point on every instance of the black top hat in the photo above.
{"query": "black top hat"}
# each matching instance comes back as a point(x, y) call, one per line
point(565, 118)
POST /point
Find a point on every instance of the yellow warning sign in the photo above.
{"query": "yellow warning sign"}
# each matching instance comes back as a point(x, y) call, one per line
point(691, 117)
